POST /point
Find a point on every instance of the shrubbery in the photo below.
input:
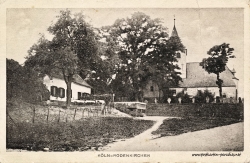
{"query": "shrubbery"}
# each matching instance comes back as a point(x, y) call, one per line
point(24, 83)
point(185, 98)
point(201, 96)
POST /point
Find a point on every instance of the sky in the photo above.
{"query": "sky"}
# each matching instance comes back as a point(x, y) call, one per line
point(199, 29)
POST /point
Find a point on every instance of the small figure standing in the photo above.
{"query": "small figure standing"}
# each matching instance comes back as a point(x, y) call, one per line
point(193, 100)
point(179, 100)
point(207, 99)
point(240, 101)
point(169, 100)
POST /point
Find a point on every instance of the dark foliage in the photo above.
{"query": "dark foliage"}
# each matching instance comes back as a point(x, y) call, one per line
point(223, 110)
point(185, 98)
point(201, 96)
point(217, 61)
point(24, 83)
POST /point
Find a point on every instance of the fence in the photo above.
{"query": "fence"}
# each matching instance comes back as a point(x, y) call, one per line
point(52, 113)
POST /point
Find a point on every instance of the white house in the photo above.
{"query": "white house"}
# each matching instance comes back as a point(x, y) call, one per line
point(57, 87)
point(195, 78)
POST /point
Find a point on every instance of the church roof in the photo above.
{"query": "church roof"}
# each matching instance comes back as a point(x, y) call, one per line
point(198, 77)
point(174, 32)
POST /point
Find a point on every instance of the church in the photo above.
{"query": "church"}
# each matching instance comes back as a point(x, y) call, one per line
point(195, 78)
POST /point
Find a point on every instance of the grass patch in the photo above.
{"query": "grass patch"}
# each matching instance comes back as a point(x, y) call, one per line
point(171, 127)
point(86, 134)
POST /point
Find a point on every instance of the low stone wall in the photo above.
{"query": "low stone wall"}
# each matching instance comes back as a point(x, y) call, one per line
point(225, 110)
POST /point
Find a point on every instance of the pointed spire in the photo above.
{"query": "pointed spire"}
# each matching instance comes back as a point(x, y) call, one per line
point(174, 32)
point(233, 71)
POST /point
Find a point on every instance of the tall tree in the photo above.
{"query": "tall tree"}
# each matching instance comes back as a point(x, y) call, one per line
point(164, 66)
point(104, 68)
point(141, 43)
point(217, 61)
point(72, 50)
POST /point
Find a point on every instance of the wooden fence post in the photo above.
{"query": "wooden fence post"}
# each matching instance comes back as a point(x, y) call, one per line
point(34, 114)
point(59, 115)
point(75, 113)
point(82, 112)
point(48, 114)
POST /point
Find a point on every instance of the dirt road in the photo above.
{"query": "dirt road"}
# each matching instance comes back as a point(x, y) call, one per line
point(225, 138)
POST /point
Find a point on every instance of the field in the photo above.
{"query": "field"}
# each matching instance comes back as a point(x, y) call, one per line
point(87, 133)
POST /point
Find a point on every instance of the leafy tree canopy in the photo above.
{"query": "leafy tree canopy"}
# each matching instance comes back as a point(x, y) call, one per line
point(72, 50)
point(144, 49)
point(217, 61)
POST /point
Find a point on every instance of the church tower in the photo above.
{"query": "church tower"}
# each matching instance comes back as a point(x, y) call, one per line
point(181, 57)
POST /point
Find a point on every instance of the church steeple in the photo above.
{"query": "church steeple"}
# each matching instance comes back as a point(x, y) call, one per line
point(174, 32)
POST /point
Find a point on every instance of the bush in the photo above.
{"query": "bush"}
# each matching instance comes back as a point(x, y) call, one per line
point(25, 84)
point(224, 110)
point(201, 96)
point(185, 98)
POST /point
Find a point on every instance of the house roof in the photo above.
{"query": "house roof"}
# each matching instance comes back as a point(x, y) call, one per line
point(76, 79)
point(198, 77)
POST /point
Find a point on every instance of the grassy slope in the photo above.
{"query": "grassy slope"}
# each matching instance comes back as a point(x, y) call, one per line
point(84, 134)
point(171, 127)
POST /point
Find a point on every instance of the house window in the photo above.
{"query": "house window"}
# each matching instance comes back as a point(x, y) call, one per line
point(224, 95)
point(152, 88)
point(173, 92)
point(85, 96)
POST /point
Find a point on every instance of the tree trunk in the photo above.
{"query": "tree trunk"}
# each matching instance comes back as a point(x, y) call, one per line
point(68, 98)
point(219, 83)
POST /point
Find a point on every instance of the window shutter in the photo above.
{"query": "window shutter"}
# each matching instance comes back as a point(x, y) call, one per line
point(53, 91)
point(61, 92)
point(79, 95)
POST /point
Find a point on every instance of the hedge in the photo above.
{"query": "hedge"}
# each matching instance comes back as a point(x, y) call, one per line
point(225, 110)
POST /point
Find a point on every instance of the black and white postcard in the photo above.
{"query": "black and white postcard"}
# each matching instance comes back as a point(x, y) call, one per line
point(124, 81)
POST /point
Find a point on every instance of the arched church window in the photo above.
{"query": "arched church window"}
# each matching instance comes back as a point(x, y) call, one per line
point(178, 55)
point(151, 88)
